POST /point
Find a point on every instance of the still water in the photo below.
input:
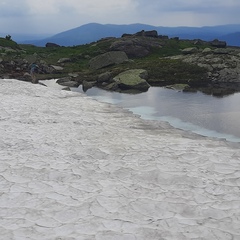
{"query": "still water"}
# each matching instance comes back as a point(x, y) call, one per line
point(196, 112)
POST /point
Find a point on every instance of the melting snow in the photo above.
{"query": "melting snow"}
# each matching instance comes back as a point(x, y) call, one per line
point(74, 168)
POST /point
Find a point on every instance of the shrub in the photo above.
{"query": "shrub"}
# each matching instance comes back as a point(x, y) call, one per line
point(8, 37)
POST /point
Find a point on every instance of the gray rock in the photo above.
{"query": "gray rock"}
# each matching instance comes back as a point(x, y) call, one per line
point(131, 47)
point(135, 46)
point(218, 44)
point(49, 44)
point(104, 77)
point(73, 75)
point(64, 60)
point(10, 50)
point(222, 64)
point(131, 79)
point(27, 77)
point(221, 51)
point(57, 68)
point(68, 82)
point(152, 33)
point(189, 50)
point(108, 59)
point(87, 85)
point(207, 50)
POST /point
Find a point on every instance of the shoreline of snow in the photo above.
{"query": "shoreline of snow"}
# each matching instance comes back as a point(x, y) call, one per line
point(53, 84)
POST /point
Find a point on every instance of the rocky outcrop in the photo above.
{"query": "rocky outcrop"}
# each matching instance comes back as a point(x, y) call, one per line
point(222, 65)
point(135, 46)
point(143, 33)
point(108, 59)
point(218, 44)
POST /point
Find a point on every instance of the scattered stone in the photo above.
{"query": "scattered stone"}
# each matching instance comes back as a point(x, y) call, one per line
point(64, 60)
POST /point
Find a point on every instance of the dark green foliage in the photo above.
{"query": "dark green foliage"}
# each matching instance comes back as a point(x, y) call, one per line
point(8, 43)
point(8, 37)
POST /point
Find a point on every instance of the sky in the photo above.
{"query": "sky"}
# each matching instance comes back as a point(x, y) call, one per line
point(54, 16)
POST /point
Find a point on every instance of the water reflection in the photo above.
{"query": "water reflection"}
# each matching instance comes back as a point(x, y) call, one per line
point(197, 112)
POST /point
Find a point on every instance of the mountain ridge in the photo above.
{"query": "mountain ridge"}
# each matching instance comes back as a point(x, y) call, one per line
point(94, 31)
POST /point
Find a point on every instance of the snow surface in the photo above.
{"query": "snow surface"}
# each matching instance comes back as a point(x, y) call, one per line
point(75, 168)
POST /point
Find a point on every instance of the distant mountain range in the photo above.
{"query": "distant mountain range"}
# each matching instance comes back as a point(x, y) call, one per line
point(93, 31)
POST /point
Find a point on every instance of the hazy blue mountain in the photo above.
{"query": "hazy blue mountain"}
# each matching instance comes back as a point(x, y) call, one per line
point(22, 37)
point(233, 39)
point(93, 31)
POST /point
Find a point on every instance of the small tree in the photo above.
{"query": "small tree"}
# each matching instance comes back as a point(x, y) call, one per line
point(8, 37)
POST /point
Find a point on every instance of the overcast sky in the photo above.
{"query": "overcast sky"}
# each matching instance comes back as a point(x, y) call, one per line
point(54, 16)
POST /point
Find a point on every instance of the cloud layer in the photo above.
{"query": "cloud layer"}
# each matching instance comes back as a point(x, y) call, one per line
point(53, 16)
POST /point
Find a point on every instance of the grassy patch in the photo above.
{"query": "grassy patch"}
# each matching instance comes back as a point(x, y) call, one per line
point(8, 43)
point(167, 71)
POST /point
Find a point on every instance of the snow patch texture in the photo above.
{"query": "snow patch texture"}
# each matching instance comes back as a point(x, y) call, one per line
point(74, 168)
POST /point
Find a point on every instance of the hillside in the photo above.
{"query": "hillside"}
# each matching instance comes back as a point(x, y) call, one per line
point(93, 31)
point(8, 43)
point(210, 67)
point(233, 39)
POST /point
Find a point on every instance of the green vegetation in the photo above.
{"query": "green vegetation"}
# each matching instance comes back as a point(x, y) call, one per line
point(4, 42)
point(161, 69)
point(79, 55)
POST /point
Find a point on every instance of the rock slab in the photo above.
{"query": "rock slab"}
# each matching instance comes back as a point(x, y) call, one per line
point(133, 79)
point(108, 59)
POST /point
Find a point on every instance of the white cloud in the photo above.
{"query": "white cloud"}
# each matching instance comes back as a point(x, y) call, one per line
point(12, 8)
point(189, 13)
point(43, 7)
point(99, 7)
point(59, 15)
